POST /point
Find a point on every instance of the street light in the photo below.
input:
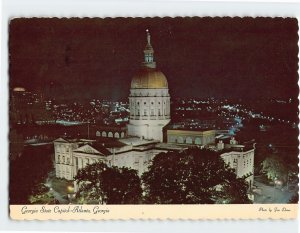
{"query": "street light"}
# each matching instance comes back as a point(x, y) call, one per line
point(71, 193)
point(275, 182)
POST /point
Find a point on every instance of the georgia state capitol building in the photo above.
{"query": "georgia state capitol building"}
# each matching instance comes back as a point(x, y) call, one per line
point(149, 99)
point(149, 103)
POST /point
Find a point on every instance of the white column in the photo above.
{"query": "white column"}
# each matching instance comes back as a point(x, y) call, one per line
point(79, 163)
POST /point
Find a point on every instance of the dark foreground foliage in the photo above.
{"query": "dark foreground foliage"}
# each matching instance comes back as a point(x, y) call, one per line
point(27, 174)
point(193, 176)
point(111, 185)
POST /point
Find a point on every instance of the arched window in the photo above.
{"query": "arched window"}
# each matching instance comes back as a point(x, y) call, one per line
point(180, 140)
point(189, 140)
point(98, 134)
point(197, 141)
point(172, 139)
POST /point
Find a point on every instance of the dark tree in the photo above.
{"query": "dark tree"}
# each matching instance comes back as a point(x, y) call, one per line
point(42, 196)
point(27, 172)
point(235, 191)
point(294, 199)
point(193, 176)
point(111, 185)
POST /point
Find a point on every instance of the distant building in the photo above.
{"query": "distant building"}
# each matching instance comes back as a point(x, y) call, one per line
point(28, 107)
point(16, 144)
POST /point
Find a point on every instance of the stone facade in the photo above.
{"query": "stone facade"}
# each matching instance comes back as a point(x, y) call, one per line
point(63, 149)
point(86, 155)
point(242, 162)
point(108, 133)
point(72, 155)
point(149, 113)
point(199, 138)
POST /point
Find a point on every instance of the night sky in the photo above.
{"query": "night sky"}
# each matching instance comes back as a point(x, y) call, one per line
point(201, 57)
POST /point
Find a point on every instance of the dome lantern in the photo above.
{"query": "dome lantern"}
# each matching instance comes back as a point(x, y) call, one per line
point(149, 77)
point(149, 53)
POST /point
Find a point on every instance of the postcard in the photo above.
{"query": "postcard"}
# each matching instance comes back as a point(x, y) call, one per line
point(153, 118)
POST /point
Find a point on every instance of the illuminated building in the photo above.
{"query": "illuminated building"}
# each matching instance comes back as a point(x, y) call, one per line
point(132, 152)
point(149, 99)
point(240, 158)
point(28, 107)
point(149, 104)
point(64, 160)
point(191, 137)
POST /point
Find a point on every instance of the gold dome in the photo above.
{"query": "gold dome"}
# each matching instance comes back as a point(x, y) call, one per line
point(149, 78)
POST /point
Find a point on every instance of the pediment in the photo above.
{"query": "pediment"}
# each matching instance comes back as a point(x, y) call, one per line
point(88, 149)
point(60, 140)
